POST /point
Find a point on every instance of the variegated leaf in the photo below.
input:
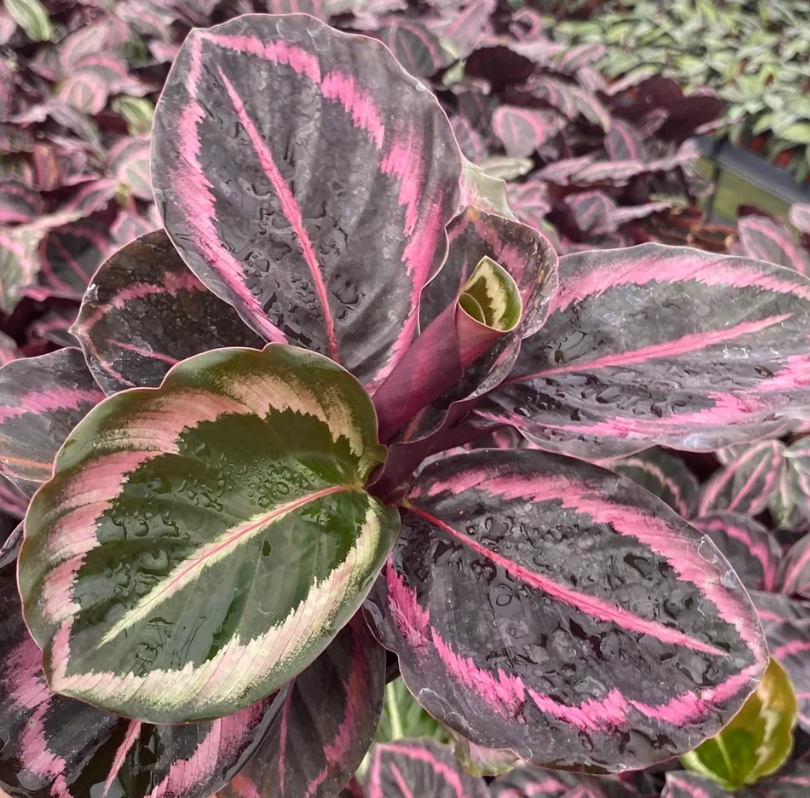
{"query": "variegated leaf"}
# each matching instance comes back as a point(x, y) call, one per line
point(800, 217)
point(789, 643)
point(337, 263)
point(661, 345)
point(56, 746)
point(415, 46)
point(41, 400)
point(664, 475)
point(794, 570)
point(71, 255)
point(768, 240)
point(421, 767)
point(747, 483)
point(231, 500)
point(544, 605)
point(752, 551)
point(326, 724)
point(523, 130)
point(774, 608)
point(145, 311)
point(528, 782)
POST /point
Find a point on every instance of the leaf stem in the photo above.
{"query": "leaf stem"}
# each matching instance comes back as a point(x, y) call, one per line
point(393, 712)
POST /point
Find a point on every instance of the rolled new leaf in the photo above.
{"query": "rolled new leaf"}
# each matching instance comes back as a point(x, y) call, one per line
point(542, 604)
point(41, 400)
point(326, 724)
point(664, 475)
point(146, 311)
point(748, 483)
point(307, 179)
point(422, 767)
point(57, 746)
point(661, 345)
point(485, 309)
point(231, 501)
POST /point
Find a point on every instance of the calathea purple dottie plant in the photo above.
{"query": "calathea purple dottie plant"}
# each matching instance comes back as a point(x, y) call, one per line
point(218, 552)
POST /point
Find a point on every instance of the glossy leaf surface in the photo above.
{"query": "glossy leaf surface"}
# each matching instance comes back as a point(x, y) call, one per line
point(326, 723)
point(307, 179)
point(244, 469)
point(41, 400)
point(664, 345)
point(421, 767)
point(548, 606)
point(757, 741)
point(145, 311)
point(51, 745)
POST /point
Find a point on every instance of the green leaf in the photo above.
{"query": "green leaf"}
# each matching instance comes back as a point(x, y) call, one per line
point(137, 111)
point(492, 297)
point(758, 740)
point(202, 542)
point(484, 191)
point(32, 17)
point(506, 168)
point(798, 133)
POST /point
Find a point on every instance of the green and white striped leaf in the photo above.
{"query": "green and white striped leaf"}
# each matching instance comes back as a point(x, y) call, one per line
point(32, 17)
point(202, 542)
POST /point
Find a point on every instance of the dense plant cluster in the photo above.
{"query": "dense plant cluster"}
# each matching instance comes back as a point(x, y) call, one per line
point(249, 482)
point(755, 55)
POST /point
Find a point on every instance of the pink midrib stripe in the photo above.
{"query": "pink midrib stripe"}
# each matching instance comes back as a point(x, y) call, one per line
point(290, 208)
point(133, 732)
point(401, 784)
point(757, 550)
point(666, 482)
point(581, 601)
point(70, 260)
point(793, 647)
point(785, 244)
point(750, 482)
point(450, 776)
point(685, 345)
point(266, 519)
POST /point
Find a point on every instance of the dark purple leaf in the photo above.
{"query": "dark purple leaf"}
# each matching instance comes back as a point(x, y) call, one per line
point(591, 210)
point(337, 272)
point(527, 782)
point(70, 256)
point(326, 723)
point(13, 501)
point(775, 608)
point(18, 203)
point(468, 138)
point(563, 171)
point(54, 326)
point(624, 143)
point(542, 604)
point(57, 746)
point(660, 345)
point(523, 130)
point(768, 240)
point(555, 93)
point(529, 201)
point(146, 311)
point(421, 767)
point(415, 46)
point(794, 570)
point(315, 8)
point(752, 551)
point(789, 643)
point(791, 782)
point(665, 476)
point(93, 196)
point(41, 401)
point(747, 483)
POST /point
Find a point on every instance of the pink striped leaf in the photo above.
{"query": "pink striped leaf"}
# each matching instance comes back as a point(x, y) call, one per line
point(528, 782)
point(41, 400)
point(129, 226)
point(554, 92)
point(318, 218)
point(70, 255)
point(468, 27)
point(798, 476)
point(326, 723)
point(54, 326)
point(13, 501)
point(85, 91)
point(244, 469)
point(93, 196)
point(523, 130)
point(794, 571)
point(770, 240)
point(660, 345)
point(18, 203)
point(789, 643)
point(130, 164)
point(421, 767)
point(315, 8)
point(57, 746)
point(774, 608)
point(747, 484)
point(791, 782)
point(752, 551)
point(579, 56)
point(591, 210)
point(545, 605)
point(665, 475)
point(529, 201)
point(469, 139)
point(415, 46)
point(146, 311)
point(624, 143)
